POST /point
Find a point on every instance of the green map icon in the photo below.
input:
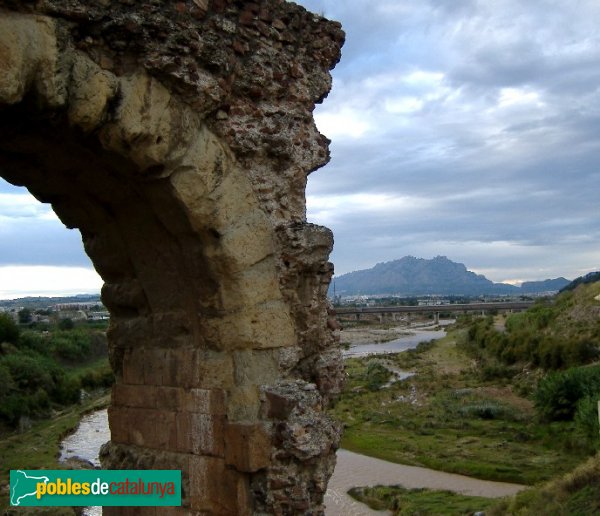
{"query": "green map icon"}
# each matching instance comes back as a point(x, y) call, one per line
point(23, 485)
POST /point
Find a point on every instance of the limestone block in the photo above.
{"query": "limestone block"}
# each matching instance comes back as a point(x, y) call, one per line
point(206, 401)
point(29, 60)
point(152, 428)
point(213, 369)
point(119, 424)
point(150, 123)
point(133, 366)
point(178, 366)
point(90, 90)
point(249, 241)
point(156, 366)
point(248, 446)
point(200, 434)
point(244, 403)
point(264, 325)
point(170, 398)
point(217, 489)
point(140, 396)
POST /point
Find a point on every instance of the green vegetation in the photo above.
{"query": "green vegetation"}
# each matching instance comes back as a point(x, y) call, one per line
point(453, 417)
point(43, 374)
point(550, 335)
point(591, 277)
point(43, 371)
point(419, 502)
point(574, 494)
point(37, 448)
point(376, 375)
point(509, 398)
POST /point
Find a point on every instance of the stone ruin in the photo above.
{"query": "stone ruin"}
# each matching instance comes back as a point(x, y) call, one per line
point(177, 137)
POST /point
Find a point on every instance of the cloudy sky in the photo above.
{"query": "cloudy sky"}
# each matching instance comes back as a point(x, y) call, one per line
point(463, 128)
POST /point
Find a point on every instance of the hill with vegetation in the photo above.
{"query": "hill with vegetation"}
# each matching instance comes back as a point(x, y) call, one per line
point(553, 334)
point(43, 369)
point(438, 276)
point(591, 277)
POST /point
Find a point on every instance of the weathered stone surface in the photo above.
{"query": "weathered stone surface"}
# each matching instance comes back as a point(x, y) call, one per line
point(248, 446)
point(177, 137)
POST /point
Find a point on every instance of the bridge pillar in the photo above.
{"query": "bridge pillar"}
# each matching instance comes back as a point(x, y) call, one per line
point(437, 318)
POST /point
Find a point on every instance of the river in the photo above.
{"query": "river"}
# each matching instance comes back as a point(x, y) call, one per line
point(352, 469)
point(394, 346)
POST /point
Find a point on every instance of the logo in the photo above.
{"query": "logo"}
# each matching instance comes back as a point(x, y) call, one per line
point(44, 488)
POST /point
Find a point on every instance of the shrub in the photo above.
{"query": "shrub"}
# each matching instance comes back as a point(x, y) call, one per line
point(9, 331)
point(71, 345)
point(586, 418)
point(29, 373)
point(97, 379)
point(66, 324)
point(35, 341)
point(6, 381)
point(558, 393)
point(376, 375)
point(483, 410)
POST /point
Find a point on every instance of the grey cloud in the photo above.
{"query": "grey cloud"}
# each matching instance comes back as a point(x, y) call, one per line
point(40, 242)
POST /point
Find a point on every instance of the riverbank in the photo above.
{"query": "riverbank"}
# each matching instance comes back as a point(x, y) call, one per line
point(38, 447)
point(353, 469)
point(449, 417)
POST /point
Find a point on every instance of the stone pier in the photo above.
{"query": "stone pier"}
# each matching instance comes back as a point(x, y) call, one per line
point(177, 137)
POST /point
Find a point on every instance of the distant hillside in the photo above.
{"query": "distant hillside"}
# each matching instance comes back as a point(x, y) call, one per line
point(43, 301)
point(591, 277)
point(544, 286)
point(438, 276)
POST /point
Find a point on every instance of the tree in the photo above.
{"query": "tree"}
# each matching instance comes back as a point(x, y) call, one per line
point(9, 331)
point(66, 324)
point(24, 316)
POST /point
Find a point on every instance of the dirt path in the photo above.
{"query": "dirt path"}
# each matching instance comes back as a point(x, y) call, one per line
point(355, 470)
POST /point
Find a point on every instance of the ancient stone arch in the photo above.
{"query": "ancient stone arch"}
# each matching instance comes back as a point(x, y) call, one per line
point(177, 137)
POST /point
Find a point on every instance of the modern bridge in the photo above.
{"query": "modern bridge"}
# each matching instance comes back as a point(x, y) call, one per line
point(435, 309)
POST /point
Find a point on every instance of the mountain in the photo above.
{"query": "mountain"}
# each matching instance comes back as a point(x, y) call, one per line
point(418, 276)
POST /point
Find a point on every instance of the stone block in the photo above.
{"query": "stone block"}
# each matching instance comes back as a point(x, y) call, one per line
point(213, 369)
point(201, 434)
point(154, 365)
point(152, 428)
point(218, 489)
point(277, 406)
point(206, 401)
point(170, 398)
point(244, 403)
point(256, 367)
point(264, 325)
point(140, 396)
point(133, 366)
point(179, 367)
point(118, 423)
point(248, 446)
